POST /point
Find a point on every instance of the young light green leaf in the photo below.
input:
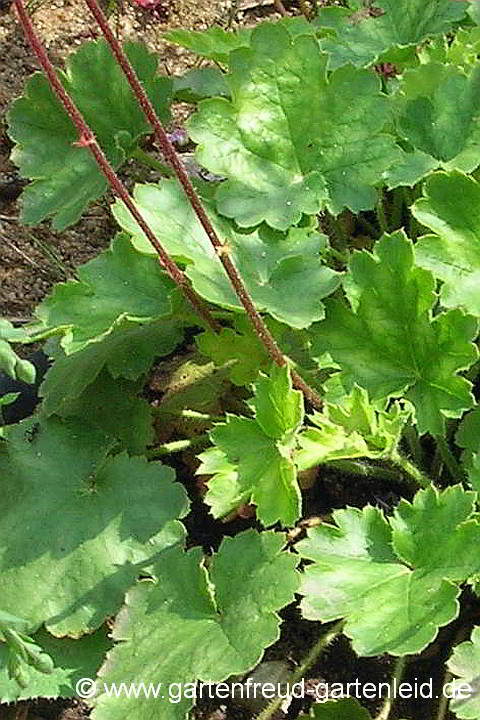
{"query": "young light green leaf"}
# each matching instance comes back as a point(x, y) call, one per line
point(391, 344)
point(409, 567)
point(352, 429)
point(293, 141)
point(272, 265)
point(278, 408)
point(72, 659)
point(461, 49)
point(219, 621)
point(465, 690)
point(438, 115)
point(364, 40)
point(450, 207)
point(251, 460)
point(118, 284)
point(66, 177)
point(77, 525)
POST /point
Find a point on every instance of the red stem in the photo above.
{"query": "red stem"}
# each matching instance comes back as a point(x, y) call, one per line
point(222, 251)
point(87, 139)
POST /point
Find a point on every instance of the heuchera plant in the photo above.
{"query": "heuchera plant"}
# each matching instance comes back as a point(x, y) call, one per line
point(329, 271)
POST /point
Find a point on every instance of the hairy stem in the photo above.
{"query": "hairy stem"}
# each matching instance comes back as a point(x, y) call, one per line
point(222, 250)
point(416, 475)
point(87, 140)
point(411, 436)
point(362, 469)
point(381, 216)
point(449, 459)
point(384, 713)
point(302, 669)
point(397, 208)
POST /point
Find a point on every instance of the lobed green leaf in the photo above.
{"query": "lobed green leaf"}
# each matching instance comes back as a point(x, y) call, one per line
point(293, 140)
point(272, 265)
point(66, 177)
point(391, 345)
point(77, 525)
point(365, 39)
point(450, 207)
point(409, 567)
point(197, 624)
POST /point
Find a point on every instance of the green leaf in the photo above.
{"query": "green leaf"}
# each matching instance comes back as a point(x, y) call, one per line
point(450, 207)
point(293, 141)
point(438, 115)
point(352, 429)
point(272, 265)
point(128, 351)
point(8, 398)
point(241, 345)
point(113, 407)
point(214, 43)
point(347, 708)
point(410, 169)
point(363, 41)
point(474, 12)
point(200, 83)
point(216, 623)
point(66, 177)
point(468, 437)
point(391, 344)
point(251, 460)
point(73, 660)
point(77, 525)
point(189, 381)
point(465, 662)
point(119, 284)
point(409, 567)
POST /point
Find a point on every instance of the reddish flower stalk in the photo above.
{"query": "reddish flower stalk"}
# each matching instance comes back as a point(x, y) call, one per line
point(87, 139)
point(222, 250)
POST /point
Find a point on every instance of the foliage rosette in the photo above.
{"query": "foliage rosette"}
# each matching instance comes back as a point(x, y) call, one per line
point(292, 141)
point(353, 428)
